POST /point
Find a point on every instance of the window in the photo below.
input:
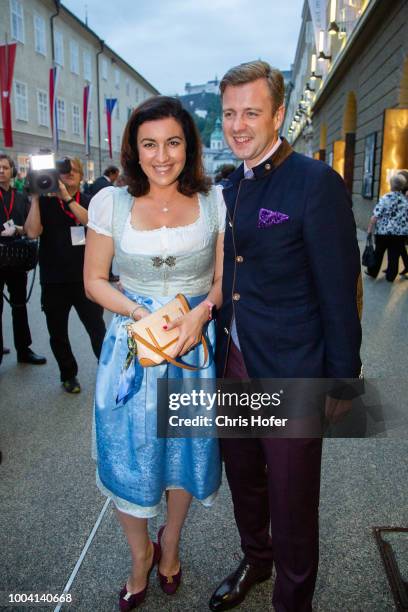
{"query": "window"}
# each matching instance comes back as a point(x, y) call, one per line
point(17, 20)
point(61, 119)
point(136, 94)
point(117, 142)
point(117, 110)
point(75, 120)
point(74, 53)
point(127, 87)
point(21, 101)
point(129, 111)
point(104, 67)
point(59, 48)
point(87, 66)
point(39, 35)
point(23, 163)
point(117, 78)
point(42, 107)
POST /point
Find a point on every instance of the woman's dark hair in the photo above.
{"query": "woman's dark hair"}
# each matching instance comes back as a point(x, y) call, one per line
point(192, 178)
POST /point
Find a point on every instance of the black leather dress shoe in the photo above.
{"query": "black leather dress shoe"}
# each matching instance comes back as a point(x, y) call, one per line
point(30, 357)
point(232, 591)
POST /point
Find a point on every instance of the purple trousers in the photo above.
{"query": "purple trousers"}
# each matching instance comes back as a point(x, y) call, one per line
point(275, 486)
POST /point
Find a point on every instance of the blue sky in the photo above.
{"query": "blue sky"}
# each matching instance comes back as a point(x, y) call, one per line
point(171, 42)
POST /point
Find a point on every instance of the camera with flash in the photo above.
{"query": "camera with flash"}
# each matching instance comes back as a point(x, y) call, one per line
point(44, 171)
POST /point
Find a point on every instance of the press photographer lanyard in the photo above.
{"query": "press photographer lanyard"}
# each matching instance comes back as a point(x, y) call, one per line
point(7, 211)
point(68, 212)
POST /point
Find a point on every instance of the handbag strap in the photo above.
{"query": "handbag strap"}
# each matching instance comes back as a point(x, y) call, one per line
point(163, 355)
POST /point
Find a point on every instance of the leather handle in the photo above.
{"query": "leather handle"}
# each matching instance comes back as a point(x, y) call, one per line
point(166, 357)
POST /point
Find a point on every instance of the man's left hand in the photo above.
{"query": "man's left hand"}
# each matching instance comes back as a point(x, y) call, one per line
point(336, 409)
point(63, 191)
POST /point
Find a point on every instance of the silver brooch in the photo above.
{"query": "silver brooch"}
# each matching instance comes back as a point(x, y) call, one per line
point(159, 261)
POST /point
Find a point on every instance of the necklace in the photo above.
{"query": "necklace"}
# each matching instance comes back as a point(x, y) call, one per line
point(164, 206)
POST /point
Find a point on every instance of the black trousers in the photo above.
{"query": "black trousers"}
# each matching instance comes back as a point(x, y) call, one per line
point(16, 283)
point(395, 246)
point(56, 302)
point(284, 499)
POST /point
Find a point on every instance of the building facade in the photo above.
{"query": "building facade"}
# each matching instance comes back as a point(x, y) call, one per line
point(218, 153)
point(49, 35)
point(348, 103)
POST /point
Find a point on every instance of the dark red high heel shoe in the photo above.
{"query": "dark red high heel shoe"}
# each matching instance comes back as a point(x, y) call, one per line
point(169, 584)
point(129, 601)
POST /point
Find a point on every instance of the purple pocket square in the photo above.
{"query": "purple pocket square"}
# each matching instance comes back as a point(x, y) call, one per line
point(271, 217)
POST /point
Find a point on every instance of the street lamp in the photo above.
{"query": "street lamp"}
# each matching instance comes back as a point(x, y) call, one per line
point(313, 65)
point(333, 27)
point(322, 56)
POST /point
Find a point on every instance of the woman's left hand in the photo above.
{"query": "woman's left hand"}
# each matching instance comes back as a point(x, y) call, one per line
point(190, 328)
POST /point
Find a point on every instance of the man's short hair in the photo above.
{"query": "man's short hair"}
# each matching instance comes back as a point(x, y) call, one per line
point(252, 71)
point(397, 182)
point(110, 170)
point(10, 161)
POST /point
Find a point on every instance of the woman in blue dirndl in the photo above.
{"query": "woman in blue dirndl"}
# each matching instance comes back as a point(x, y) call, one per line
point(166, 230)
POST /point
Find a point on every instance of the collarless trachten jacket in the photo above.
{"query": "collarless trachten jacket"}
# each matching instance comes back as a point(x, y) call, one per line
point(291, 267)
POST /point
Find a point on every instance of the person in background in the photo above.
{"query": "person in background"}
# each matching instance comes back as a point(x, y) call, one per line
point(14, 208)
point(121, 181)
point(223, 173)
point(390, 221)
point(19, 182)
point(60, 221)
point(108, 179)
point(404, 254)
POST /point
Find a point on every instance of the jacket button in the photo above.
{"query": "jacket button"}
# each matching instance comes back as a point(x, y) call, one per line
point(239, 259)
point(226, 330)
point(230, 223)
point(268, 166)
point(236, 297)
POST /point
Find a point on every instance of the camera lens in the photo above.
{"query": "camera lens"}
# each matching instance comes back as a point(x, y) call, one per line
point(44, 182)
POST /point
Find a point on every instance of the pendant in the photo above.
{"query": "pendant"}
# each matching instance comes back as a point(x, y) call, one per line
point(165, 209)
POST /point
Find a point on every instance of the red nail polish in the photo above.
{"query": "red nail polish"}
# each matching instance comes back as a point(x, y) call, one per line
point(164, 326)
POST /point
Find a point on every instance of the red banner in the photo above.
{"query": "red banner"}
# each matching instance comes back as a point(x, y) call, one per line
point(7, 58)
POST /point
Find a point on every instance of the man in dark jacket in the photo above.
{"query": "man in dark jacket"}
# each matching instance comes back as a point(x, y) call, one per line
point(108, 179)
point(291, 266)
point(14, 208)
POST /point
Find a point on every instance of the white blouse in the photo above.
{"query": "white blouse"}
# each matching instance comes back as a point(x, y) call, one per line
point(182, 239)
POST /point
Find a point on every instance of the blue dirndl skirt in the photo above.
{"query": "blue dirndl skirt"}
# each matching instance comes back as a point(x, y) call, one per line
point(134, 467)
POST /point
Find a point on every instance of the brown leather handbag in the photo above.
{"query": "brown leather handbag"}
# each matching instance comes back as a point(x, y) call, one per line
point(152, 341)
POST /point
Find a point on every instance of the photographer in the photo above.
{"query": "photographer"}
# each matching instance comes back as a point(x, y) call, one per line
point(13, 212)
point(60, 219)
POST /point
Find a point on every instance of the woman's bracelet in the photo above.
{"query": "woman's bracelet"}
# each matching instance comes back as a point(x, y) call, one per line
point(132, 312)
point(210, 307)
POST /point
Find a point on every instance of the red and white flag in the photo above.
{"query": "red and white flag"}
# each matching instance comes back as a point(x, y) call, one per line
point(86, 109)
point(7, 58)
point(110, 105)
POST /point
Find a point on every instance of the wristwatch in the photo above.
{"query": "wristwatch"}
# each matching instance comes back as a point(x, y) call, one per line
point(68, 202)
